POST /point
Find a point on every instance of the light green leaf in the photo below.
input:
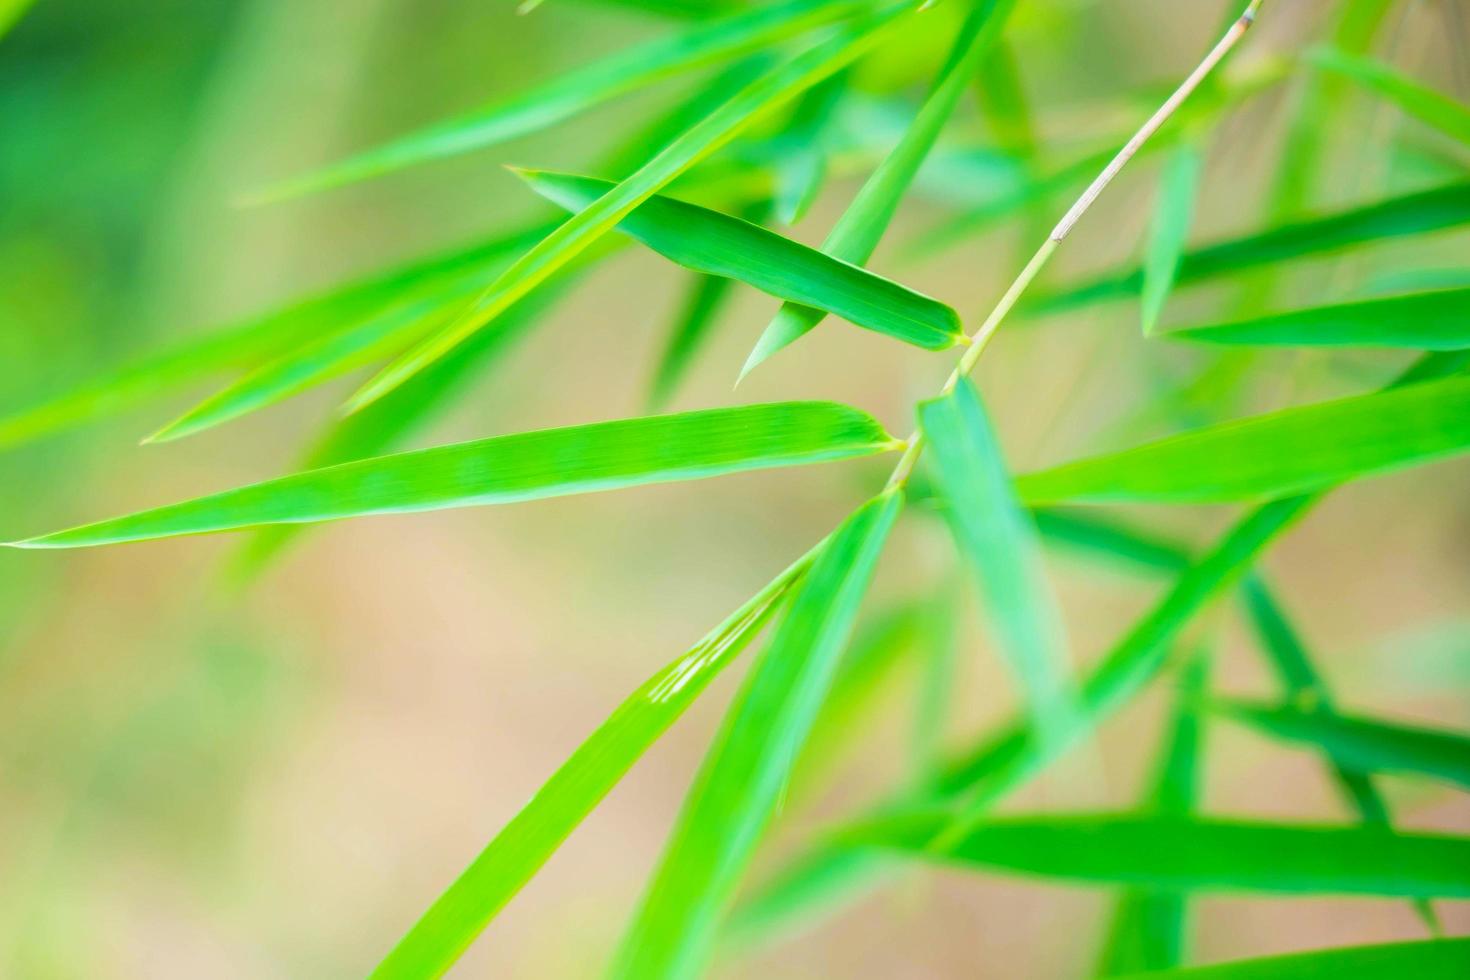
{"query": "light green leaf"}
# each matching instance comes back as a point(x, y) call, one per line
point(534, 834)
point(1290, 451)
point(996, 538)
point(802, 163)
point(1004, 104)
point(1413, 214)
point(719, 244)
point(1169, 233)
point(574, 92)
point(1439, 959)
point(1438, 320)
point(1124, 545)
point(1423, 103)
point(857, 233)
point(525, 466)
point(1362, 744)
point(762, 96)
point(1216, 855)
point(741, 780)
point(706, 297)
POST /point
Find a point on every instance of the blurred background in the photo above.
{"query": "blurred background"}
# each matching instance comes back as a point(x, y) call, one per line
point(199, 780)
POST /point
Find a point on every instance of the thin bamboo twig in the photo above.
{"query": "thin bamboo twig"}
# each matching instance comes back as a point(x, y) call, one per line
point(981, 338)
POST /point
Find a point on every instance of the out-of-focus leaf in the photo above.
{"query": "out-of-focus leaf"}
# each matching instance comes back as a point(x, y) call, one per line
point(1195, 854)
point(1363, 744)
point(1413, 214)
point(534, 833)
point(707, 295)
point(1290, 451)
point(1149, 930)
point(1169, 234)
point(862, 225)
point(1423, 103)
point(11, 11)
point(505, 469)
point(719, 244)
point(1004, 104)
point(803, 166)
point(1438, 320)
point(1127, 545)
point(741, 780)
point(999, 543)
point(762, 96)
point(572, 93)
point(1438, 959)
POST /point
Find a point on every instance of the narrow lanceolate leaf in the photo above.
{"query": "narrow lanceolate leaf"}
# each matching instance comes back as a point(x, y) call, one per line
point(721, 245)
point(997, 539)
point(1438, 320)
point(1436, 959)
point(741, 780)
point(534, 834)
point(1173, 215)
point(862, 225)
point(571, 93)
point(1213, 855)
point(801, 165)
point(1414, 214)
point(1423, 103)
point(705, 299)
point(762, 96)
point(1363, 744)
point(1119, 544)
point(1150, 926)
point(525, 466)
point(1291, 451)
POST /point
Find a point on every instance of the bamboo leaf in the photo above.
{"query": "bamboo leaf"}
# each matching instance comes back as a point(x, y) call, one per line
point(572, 93)
point(1423, 103)
point(998, 541)
point(1290, 451)
point(1438, 320)
point(706, 297)
point(530, 838)
point(1413, 214)
point(1169, 234)
point(856, 234)
point(1362, 744)
point(762, 96)
point(721, 245)
point(1437, 959)
point(525, 466)
point(738, 786)
point(1215, 855)
point(1124, 545)
point(802, 167)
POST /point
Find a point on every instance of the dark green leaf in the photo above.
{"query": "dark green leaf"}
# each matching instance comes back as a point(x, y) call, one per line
point(1437, 320)
point(1440, 959)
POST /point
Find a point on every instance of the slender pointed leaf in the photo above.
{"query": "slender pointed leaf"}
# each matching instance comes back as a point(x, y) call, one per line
point(1169, 233)
point(1362, 744)
point(803, 167)
point(572, 93)
point(1195, 854)
point(857, 233)
point(762, 96)
point(719, 244)
point(1436, 959)
point(505, 469)
point(560, 805)
point(998, 541)
point(741, 780)
point(1438, 320)
point(1423, 103)
point(1123, 544)
point(707, 296)
point(1291, 451)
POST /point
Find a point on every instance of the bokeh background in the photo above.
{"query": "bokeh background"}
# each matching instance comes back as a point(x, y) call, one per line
point(197, 781)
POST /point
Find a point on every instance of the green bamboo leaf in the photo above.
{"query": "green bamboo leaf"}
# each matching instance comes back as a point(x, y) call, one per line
point(856, 234)
point(706, 297)
point(519, 850)
point(572, 93)
point(761, 97)
point(1122, 544)
point(1423, 103)
point(1004, 104)
point(1363, 744)
point(1149, 929)
point(721, 245)
point(1217, 855)
point(11, 11)
point(996, 538)
point(1169, 233)
point(1413, 214)
point(802, 167)
point(1436, 959)
point(505, 469)
point(1438, 320)
point(1290, 451)
point(741, 780)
